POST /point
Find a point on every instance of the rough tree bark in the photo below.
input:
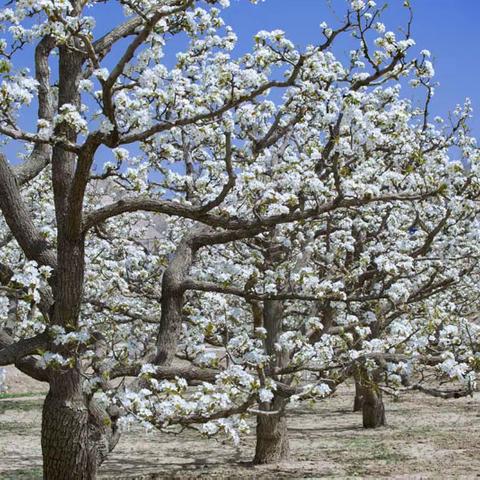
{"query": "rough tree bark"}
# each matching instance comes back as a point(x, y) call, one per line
point(272, 443)
point(75, 438)
point(77, 434)
point(358, 400)
point(368, 398)
point(173, 292)
point(373, 409)
point(67, 451)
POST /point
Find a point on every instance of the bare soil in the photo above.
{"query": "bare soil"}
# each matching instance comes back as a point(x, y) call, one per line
point(426, 438)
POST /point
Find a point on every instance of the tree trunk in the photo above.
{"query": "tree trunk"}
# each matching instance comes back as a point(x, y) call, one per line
point(66, 446)
point(68, 452)
point(373, 409)
point(358, 401)
point(77, 434)
point(272, 436)
point(173, 300)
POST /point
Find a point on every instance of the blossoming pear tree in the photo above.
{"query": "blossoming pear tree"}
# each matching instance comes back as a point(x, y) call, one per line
point(290, 221)
point(380, 269)
point(363, 292)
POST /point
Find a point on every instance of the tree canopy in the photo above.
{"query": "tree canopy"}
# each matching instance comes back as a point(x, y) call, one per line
point(191, 245)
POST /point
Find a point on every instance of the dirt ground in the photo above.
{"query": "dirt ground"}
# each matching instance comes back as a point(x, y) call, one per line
point(426, 438)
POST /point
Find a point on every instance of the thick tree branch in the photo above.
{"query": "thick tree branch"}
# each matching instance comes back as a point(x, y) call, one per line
point(192, 284)
point(27, 365)
point(458, 393)
point(134, 204)
point(42, 152)
point(19, 220)
point(14, 352)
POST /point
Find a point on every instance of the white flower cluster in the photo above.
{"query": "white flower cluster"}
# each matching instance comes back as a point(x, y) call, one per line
point(33, 278)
